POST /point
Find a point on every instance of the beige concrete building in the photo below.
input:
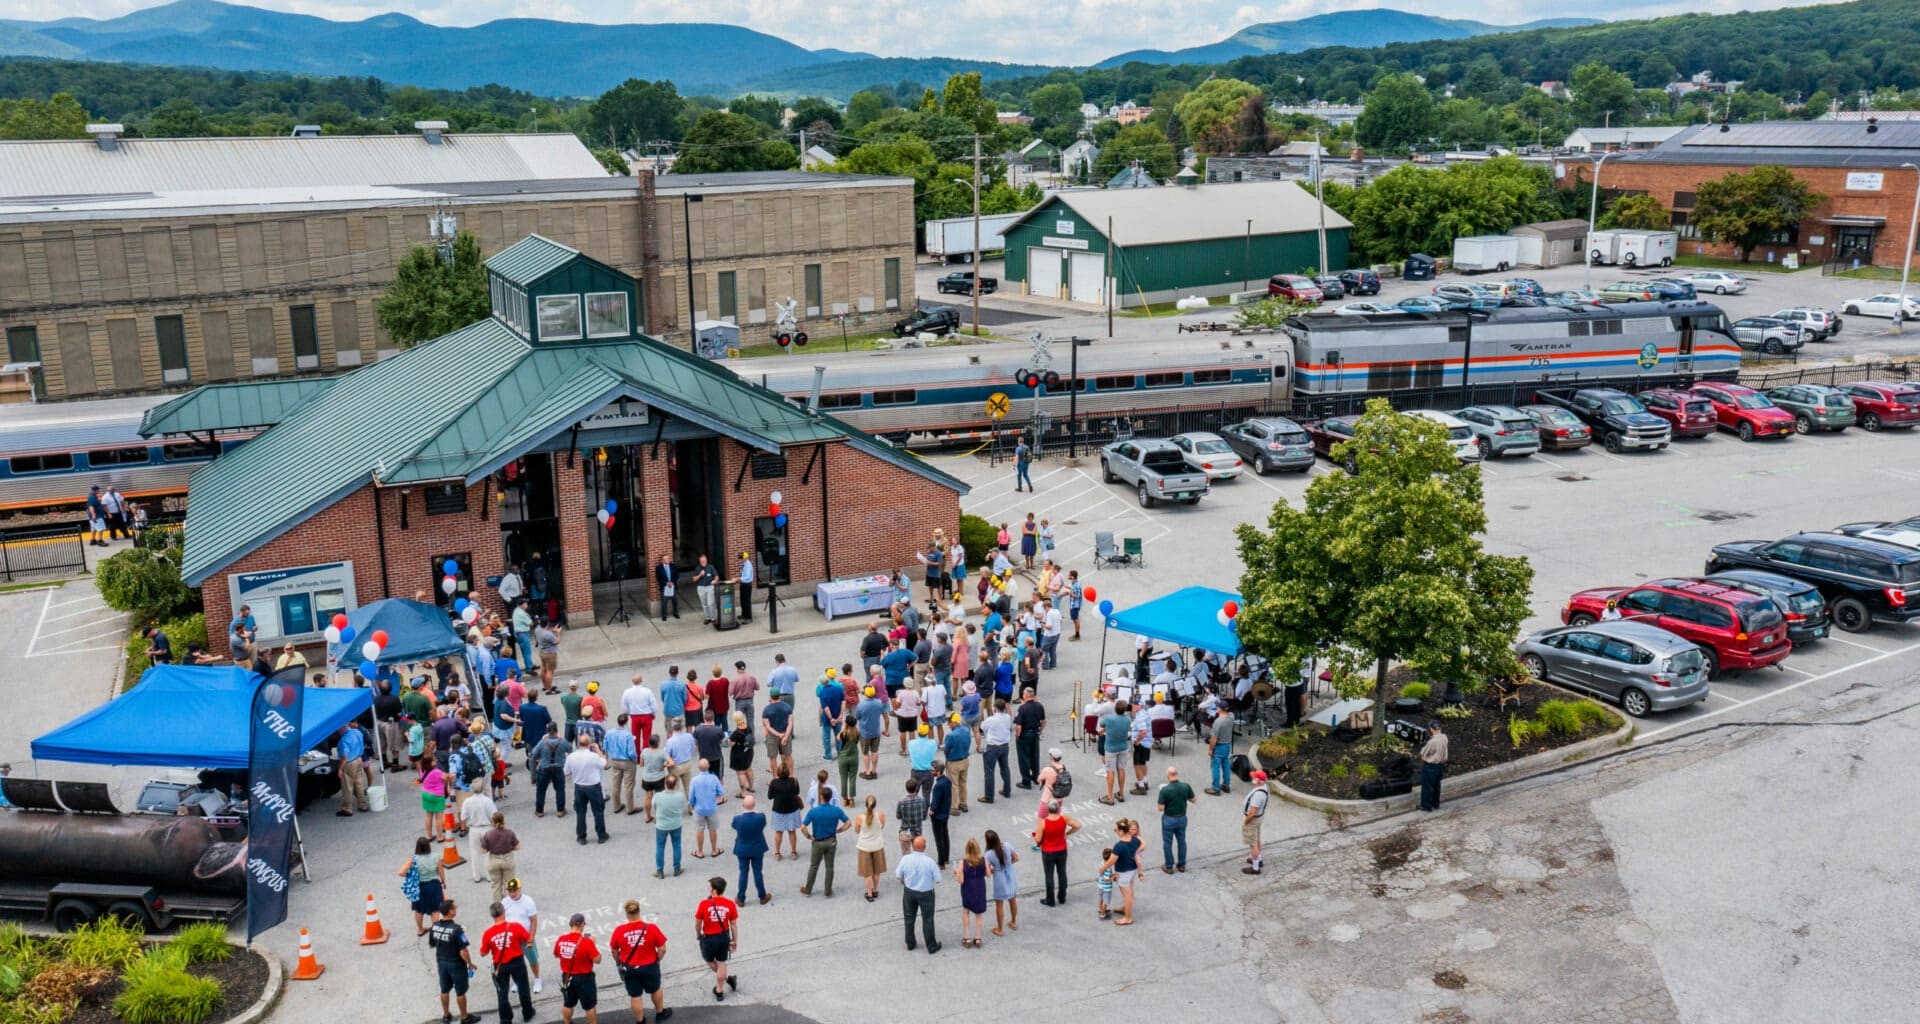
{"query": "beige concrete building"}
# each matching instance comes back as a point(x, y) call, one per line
point(140, 265)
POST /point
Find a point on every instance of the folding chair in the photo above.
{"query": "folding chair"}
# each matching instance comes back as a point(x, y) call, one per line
point(1089, 730)
point(1132, 552)
point(1105, 552)
point(1164, 729)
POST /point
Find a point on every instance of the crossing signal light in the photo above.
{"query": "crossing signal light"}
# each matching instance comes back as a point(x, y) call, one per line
point(1052, 380)
point(782, 340)
point(800, 339)
point(1029, 379)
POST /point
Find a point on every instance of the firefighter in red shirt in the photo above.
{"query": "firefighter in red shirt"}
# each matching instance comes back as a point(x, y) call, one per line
point(577, 955)
point(506, 943)
point(637, 948)
point(718, 919)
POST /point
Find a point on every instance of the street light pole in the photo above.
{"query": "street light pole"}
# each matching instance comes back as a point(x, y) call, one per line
point(1073, 392)
point(1906, 264)
point(1593, 213)
point(975, 186)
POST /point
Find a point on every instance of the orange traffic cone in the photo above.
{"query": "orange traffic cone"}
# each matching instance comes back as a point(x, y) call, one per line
point(376, 932)
point(448, 825)
point(308, 968)
point(450, 853)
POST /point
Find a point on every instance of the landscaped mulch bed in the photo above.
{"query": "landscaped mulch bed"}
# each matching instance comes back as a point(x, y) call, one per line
point(242, 977)
point(1478, 741)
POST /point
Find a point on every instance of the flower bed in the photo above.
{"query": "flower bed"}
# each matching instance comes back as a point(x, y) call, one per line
point(1314, 761)
point(108, 973)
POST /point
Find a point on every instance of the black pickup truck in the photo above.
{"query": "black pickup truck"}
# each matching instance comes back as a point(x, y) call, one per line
point(1618, 418)
point(960, 282)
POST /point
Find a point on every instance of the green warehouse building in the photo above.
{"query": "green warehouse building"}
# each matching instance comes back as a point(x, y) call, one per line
point(1168, 243)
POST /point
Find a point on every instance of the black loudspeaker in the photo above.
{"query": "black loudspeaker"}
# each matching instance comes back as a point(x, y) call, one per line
point(1379, 788)
point(770, 542)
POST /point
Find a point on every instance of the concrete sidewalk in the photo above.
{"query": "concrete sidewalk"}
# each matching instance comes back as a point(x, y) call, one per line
point(600, 646)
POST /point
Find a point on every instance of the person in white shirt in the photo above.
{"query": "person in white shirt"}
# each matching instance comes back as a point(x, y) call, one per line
point(477, 815)
point(933, 697)
point(996, 731)
point(522, 911)
point(584, 768)
point(511, 589)
point(641, 705)
point(1050, 637)
point(1162, 710)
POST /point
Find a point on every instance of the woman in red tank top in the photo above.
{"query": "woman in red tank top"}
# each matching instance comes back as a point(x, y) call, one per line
point(1052, 837)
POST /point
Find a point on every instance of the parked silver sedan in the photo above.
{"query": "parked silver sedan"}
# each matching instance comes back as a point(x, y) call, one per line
point(1641, 667)
point(1207, 452)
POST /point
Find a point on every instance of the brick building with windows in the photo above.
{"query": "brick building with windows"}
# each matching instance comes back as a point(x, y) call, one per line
point(1857, 166)
point(499, 443)
point(150, 265)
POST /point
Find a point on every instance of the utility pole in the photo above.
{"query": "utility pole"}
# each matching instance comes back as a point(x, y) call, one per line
point(1320, 200)
point(976, 235)
point(1906, 266)
point(1112, 285)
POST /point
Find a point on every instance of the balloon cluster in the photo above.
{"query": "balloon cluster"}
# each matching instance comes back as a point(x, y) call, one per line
point(1229, 614)
point(450, 580)
point(338, 632)
point(376, 642)
point(469, 611)
point(607, 513)
point(773, 509)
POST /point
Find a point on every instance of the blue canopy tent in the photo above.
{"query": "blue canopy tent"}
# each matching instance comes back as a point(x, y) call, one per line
point(189, 716)
point(416, 631)
point(1187, 617)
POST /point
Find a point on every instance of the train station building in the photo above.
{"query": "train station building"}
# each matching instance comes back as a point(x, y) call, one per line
point(499, 444)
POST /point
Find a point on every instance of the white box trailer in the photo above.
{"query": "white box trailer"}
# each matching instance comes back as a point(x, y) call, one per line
point(952, 239)
point(1646, 248)
point(1603, 247)
point(1485, 252)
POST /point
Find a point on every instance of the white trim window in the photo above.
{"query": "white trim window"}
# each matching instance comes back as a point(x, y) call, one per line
point(559, 317)
point(607, 315)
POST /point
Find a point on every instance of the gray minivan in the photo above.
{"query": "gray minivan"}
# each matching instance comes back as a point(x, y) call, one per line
point(1641, 667)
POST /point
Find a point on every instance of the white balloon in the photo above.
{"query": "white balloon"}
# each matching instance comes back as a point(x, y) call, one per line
point(333, 633)
point(447, 585)
point(472, 614)
point(774, 497)
point(1222, 616)
point(370, 650)
point(603, 515)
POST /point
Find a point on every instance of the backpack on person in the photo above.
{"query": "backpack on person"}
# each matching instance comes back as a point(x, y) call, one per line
point(473, 765)
point(1062, 782)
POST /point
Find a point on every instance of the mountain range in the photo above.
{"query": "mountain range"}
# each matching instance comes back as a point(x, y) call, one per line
point(564, 58)
point(1374, 26)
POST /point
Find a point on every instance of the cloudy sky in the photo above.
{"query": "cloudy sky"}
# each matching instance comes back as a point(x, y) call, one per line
point(1048, 31)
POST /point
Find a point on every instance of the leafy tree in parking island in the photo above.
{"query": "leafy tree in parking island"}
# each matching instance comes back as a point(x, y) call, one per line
point(1745, 209)
point(1639, 212)
point(1384, 565)
point(430, 296)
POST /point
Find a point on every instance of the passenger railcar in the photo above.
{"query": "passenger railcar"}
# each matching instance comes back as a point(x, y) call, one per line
point(51, 453)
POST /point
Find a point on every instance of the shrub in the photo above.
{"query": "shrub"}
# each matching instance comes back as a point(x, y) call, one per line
point(62, 984)
point(1368, 771)
point(107, 943)
point(203, 942)
point(159, 992)
point(1416, 691)
point(1454, 711)
point(190, 629)
point(979, 537)
point(1283, 744)
point(1558, 716)
point(1339, 771)
point(1591, 713)
point(1523, 730)
point(144, 581)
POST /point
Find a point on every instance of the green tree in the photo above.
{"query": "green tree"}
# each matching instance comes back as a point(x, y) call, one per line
point(1639, 212)
point(430, 297)
point(1603, 96)
point(1269, 312)
point(1056, 105)
point(635, 113)
point(60, 117)
point(1399, 113)
point(1745, 209)
point(1384, 564)
point(965, 99)
point(1142, 142)
point(1655, 71)
point(811, 112)
point(767, 110)
point(721, 141)
point(1209, 112)
point(1419, 209)
point(865, 107)
point(612, 160)
point(1482, 81)
point(144, 580)
point(178, 118)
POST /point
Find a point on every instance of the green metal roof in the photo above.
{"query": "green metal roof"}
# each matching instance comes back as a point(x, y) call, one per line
point(531, 259)
point(231, 406)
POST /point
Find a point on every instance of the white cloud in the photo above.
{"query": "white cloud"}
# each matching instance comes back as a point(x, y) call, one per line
point(1054, 32)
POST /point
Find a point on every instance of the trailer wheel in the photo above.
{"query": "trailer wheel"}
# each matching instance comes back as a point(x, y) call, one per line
point(132, 913)
point(1595, 256)
point(1503, 266)
point(69, 915)
point(1630, 259)
point(1666, 261)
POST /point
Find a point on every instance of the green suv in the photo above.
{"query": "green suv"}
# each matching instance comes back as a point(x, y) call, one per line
point(1815, 407)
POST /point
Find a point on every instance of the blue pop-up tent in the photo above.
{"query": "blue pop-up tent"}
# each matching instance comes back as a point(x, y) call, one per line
point(1187, 617)
point(415, 631)
point(189, 716)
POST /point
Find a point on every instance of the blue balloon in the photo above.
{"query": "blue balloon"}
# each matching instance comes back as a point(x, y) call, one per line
point(613, 507)
point(780, 520)
point(452, 567)
point(1106, 608)
point(368, 670)
point(346, 636)
point(460, 604)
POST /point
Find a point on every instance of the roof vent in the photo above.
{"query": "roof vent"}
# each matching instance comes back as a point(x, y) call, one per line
point(1873, 125)
point(432, 131)
point(107, 136)
point(306, 131)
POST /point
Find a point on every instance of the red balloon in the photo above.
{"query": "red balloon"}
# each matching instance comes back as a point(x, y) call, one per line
point(610, 522)
point(773, 508)
point(1090, 594)
point(379, 637)
point(339, 621)
point(1232, 608)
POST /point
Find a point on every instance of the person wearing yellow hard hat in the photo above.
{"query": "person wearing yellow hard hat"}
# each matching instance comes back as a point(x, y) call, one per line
point(870, 716)
point(957, 749)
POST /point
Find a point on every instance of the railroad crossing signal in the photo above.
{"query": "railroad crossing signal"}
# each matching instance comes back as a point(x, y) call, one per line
point(998, 405)
point(1032, 378)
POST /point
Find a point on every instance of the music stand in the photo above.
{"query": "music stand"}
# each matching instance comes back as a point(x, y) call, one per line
point(620, 593)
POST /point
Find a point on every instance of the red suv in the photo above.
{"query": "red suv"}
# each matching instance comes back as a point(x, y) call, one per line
point(1691, 415)
point(1735, 628)
point(1295, 287)
point(1746, 412)
point(1883, 403)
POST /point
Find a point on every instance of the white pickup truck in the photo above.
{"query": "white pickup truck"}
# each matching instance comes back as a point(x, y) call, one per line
point(1155, 469)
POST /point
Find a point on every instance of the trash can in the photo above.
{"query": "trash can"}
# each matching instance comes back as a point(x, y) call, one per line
point(727, 616)
point(376, 798)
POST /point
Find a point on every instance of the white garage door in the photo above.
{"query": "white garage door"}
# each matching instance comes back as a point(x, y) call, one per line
point(1088, 271)
point(1043, 272)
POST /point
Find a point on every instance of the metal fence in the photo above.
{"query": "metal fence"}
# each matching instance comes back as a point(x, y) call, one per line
point(1837, 373)
point(1049, 435)
point(39, 550)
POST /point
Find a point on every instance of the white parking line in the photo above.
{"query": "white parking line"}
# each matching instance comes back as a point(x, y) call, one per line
point(84, 611)
point(1792, 668)
point(41, 635)
point(1789, 688)
point(1084, 490)
point(1856, 643)
point(69, 646)
point(77, 600)
point(1736, 701)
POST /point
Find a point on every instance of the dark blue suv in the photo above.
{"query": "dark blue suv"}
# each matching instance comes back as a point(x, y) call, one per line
point(1360, 282)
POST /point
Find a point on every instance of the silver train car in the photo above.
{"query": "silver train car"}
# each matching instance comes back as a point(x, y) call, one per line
point(51, 453)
